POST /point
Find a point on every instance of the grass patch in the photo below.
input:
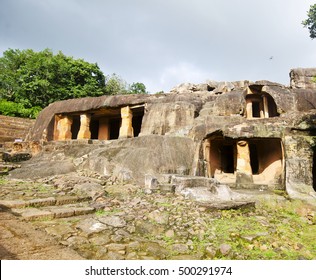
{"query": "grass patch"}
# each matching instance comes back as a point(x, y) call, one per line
point(164, 204)
point(3, 180)
point(102, 212)
point(275, 230)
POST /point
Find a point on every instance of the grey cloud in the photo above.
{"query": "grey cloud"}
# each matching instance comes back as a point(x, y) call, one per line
point(145, 40)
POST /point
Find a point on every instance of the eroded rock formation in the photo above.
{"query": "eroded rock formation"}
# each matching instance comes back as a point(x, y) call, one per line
point(252, 135)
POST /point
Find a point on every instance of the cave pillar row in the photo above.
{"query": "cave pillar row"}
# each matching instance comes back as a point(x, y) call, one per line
point(126, 129)
point(84, 131)
point(243, 169)
point(63, 131)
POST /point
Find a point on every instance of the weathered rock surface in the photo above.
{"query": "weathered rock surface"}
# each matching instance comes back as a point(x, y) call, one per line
point(122, 160)
point(303, 78)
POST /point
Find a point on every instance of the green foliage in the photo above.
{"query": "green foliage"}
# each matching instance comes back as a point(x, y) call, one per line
point(310, 22)
point(116, 85)
point(32, 80)
point(137, 88)
point(9, 108)
point(39, 78)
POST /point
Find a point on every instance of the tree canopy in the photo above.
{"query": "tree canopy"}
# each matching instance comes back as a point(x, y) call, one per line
point(116, 85)
point(310, 22)
point(31, 80)
point(39, 78)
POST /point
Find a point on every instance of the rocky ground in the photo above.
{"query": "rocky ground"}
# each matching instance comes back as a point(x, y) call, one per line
point(85, 216)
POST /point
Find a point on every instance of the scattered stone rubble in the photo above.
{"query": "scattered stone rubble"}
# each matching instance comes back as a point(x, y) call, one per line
point(122, 223)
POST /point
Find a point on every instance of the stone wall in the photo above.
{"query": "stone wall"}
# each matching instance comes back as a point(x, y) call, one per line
point(12, 128)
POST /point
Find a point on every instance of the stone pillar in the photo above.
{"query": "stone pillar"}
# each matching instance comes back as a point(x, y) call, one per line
point(249, 109)
point(104, 131)
point(261, 110)
point(56, 128)
point(265, 106)
point(64, 128)
point(243, 170)
point(126, 129)
point(207, 154)
point(84, 131)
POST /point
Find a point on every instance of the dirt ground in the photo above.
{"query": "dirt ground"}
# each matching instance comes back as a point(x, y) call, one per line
point(19, 240)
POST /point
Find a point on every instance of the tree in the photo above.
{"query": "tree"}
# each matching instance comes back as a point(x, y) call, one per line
point(310, 22)
point(137, 88)
point(115, 85)
point(39, 78)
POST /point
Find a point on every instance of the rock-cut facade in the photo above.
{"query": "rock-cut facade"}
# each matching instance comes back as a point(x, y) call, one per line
point(250, 135)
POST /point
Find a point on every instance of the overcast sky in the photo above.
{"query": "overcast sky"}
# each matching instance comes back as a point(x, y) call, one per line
point(163, 43)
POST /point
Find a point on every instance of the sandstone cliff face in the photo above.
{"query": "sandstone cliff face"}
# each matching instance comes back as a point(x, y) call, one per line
point(121, 160)
point(247, 135)
point(168, 118)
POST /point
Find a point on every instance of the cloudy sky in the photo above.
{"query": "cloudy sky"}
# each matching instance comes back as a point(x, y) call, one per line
point(166, 42)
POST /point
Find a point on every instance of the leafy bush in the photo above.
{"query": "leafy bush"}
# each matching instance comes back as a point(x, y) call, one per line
point(9, 108)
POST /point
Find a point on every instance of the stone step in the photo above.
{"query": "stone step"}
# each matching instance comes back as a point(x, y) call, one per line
point(167, 188)
point(52, 212)
point(41, 202)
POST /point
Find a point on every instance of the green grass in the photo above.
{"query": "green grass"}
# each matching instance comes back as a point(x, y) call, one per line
point(3, 180)
point(285, 235)
point(102, 212)
point(272, 231)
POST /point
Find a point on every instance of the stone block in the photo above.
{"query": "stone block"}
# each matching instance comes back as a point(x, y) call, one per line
point(167, 188)
point(83, 210)
point(62, 212)
point(42, 202)
point(151, 184)
point(32, 214)
point(70, 199)
point(13, 203)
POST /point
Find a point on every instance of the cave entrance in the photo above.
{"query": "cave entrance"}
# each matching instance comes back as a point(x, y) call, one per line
point(115, 125)
point(94, 129)
point(103, 124)
point(221, 156)
point(254, 160)
point(266, 160)
point(255, 109)
point(227, 158)
point(260, 105)
point(222, 159)
point(138, 114)
point(75, 127)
